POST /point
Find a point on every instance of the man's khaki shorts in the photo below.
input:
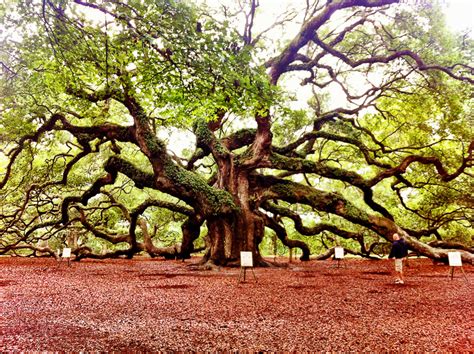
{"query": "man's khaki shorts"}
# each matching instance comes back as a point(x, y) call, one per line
point(398, 264)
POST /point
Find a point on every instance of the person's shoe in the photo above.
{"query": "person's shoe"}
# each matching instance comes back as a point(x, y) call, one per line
point(397, 281)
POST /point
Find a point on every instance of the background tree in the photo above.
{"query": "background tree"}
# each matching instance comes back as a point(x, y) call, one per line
point(122, 119)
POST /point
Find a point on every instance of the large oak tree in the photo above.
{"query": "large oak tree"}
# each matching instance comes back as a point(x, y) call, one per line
point(339, 120)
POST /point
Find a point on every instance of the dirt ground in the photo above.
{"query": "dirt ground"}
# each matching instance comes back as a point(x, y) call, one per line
point(155, 305)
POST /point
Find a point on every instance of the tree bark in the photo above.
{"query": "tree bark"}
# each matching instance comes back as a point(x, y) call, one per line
point(227, 237)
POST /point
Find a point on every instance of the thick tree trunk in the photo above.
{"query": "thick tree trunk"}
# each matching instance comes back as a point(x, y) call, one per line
point(241, 231)
point(227, 237)
point(191, 229)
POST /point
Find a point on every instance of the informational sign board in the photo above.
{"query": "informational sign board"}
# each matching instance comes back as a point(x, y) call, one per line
point(338, 252)
point(246, 259)
point(66, 253)
point(454, 259)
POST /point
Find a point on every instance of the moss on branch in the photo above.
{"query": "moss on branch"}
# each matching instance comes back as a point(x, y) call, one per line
point(306, 166)
point(206, 140)
point(216, 201)
point(141, 178)
point(293, 192)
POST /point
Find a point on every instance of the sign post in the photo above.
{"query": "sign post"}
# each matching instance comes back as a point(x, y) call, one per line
point(246, 261)
point(339, 255)
point(67, 254)
point(455, 260)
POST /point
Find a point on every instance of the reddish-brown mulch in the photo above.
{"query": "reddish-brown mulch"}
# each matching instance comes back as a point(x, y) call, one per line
point(154, 305)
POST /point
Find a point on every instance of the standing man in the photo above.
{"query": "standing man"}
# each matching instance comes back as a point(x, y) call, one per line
point(399, 251)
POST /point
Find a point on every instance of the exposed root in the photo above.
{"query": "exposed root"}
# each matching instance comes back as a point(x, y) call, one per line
point(205, 265)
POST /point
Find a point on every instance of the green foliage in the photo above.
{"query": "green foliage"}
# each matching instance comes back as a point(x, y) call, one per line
point(161, 66)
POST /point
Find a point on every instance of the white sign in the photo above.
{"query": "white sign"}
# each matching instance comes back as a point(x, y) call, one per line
point(339, 253)
point(246, 259)
point(454, 259)
point(66, 253)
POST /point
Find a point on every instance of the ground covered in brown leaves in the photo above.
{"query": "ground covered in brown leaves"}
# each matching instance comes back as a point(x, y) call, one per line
point(155, 305)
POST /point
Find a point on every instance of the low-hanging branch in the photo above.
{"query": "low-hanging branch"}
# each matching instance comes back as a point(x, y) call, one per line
point(283, 237)
point(335, 203)
point(305, 230)
point(320, 228)
point(321, 169)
